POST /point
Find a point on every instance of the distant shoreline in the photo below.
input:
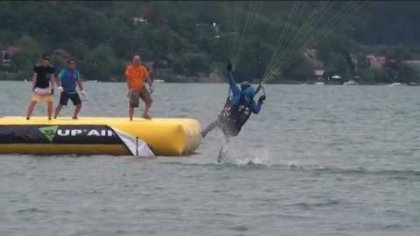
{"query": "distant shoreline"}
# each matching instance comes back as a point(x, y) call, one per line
point(219, 80)
point(280, 83)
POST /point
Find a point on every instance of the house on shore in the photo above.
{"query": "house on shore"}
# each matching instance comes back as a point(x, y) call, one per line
point(6, 55)
point(412, 63)
point(319, 71)
point(62, 55)
point(319, 74)
point(376, 62)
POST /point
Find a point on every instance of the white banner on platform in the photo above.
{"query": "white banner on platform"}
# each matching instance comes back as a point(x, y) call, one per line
point(136, 146)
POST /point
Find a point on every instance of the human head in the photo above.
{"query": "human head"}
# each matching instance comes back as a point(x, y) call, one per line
point(248, 93)
point(45, 59)
point(71, 63)
point(136, 59)
point(245, 85)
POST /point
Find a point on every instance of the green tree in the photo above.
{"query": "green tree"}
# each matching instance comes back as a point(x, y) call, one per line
point(30, 54)
point(300, 70)
point(408, 74)
point(100, 64)
point(180, 31)
point(192, 64)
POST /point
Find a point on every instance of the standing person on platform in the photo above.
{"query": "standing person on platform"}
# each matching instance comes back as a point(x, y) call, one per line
point(43, 79)
point(137, 75)
point(68, 78)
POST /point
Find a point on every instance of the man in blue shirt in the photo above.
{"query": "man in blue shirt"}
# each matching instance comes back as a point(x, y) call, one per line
point(238, 108)
point(67, 80)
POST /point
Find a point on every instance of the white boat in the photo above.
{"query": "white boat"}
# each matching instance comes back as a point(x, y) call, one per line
point(350, 82)
point(159, 81)
point(395, 84)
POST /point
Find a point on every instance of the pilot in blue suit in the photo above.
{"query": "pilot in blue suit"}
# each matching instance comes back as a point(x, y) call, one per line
point(238, 108)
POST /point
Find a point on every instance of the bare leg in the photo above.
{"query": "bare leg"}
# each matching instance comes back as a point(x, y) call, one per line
point(57, 110)
point(227, 139)
point(220, 156)
point(222, 151)
point(148, 103)
point(30, 109)
point(49, 110)
point(77, 110)
point(131, 112)
point(209, 128)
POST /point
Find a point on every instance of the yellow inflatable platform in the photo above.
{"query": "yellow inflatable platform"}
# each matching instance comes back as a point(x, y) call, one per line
point(99, 135)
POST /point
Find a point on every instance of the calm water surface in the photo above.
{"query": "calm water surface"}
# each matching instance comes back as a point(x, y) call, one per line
point(328, 160)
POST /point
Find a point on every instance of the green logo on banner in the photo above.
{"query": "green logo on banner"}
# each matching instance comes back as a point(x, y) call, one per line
point(49, 132)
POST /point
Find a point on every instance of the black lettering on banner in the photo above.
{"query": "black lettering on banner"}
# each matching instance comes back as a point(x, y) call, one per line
point(58, 134)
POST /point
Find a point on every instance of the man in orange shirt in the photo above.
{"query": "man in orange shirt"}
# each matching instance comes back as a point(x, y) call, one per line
point(136, 75)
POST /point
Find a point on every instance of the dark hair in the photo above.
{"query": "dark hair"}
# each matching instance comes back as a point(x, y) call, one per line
point(71, 60)
point(45, 56)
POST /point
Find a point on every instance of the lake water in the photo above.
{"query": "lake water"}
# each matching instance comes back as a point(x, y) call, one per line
point(328, 160)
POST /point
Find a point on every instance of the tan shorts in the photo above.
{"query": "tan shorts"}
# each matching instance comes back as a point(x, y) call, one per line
point(42, 98)
point(135, 95)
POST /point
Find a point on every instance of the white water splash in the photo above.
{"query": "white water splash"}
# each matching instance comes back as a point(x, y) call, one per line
point(241, 155)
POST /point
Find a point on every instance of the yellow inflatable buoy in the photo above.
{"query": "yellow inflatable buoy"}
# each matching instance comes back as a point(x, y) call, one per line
point(98, 135)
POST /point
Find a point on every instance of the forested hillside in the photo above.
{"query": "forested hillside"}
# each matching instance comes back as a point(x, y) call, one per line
point(192, 40)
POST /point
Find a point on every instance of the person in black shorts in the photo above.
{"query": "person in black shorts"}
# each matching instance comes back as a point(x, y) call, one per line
point(43, 79)
point(67, 80)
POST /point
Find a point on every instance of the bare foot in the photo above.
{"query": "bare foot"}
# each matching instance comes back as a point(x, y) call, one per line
point(147, 116)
